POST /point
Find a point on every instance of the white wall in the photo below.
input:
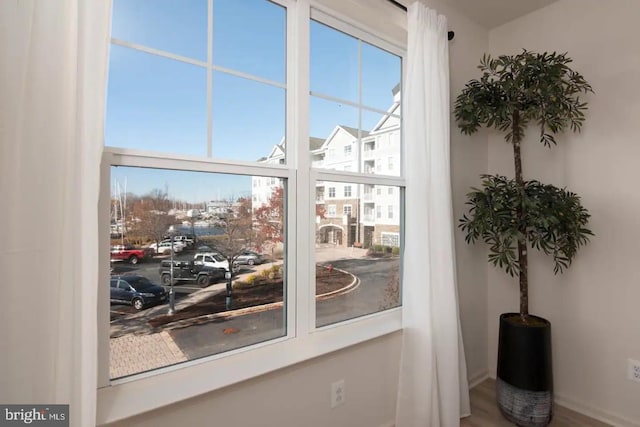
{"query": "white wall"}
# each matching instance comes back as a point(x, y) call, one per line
point(594, 306)
point(299, 395)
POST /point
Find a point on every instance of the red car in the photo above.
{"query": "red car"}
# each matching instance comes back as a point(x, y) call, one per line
point(127, 253)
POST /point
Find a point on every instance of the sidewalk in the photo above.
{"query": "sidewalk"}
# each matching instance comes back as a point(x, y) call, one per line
point(131, 354)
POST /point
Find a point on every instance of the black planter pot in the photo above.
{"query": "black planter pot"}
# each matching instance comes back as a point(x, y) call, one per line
point(524, 385)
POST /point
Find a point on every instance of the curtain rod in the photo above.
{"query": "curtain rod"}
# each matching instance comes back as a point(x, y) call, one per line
point(450, 34)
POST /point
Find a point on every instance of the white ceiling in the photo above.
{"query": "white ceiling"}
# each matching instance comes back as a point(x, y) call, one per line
point(493, 13)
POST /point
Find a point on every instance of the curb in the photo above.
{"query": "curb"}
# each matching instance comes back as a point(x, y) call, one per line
point(259, 308)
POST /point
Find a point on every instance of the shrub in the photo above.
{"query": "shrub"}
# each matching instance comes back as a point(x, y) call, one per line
point(395, 250)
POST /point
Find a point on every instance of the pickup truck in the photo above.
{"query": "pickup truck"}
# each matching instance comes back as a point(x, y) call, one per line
point(128, 253)
point(188, 271)
point(211, 259)
point(185, 240)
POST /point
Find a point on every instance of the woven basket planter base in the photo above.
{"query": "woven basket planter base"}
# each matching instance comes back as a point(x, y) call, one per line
point(525, 408)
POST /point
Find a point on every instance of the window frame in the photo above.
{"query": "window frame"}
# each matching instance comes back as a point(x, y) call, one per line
point(129, 396)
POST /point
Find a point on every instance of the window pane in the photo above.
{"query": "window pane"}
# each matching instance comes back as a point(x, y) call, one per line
point(173, 26)
point(333, 62)
point(381, 74)
point(219, 222)
point(248, 118)
point(249, 36)
point(155, 103)
point(357, 252)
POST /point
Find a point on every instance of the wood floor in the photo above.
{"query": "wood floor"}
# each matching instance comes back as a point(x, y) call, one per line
point(485, 413)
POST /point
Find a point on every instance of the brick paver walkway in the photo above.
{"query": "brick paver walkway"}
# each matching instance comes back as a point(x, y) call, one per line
point(131, 354)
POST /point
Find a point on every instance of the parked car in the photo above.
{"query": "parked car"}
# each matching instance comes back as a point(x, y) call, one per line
point(188, 240)
point(184, 239)
point(128, 253)
point(165, 248)
point(211, 259)
point(189, 271)
point(177, 243)
point(249, 257)
point(137, 291)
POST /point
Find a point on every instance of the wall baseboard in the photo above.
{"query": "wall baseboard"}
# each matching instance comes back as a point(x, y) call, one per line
point(595, 413)
point(590, 411)
point(477, 378)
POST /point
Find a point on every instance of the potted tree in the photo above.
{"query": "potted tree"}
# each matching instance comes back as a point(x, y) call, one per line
point(513, 215)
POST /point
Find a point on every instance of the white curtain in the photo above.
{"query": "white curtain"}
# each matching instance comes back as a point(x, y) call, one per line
point(433, 389)
point(53, 62)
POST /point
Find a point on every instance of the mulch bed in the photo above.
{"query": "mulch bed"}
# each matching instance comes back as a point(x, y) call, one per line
point(265, 293)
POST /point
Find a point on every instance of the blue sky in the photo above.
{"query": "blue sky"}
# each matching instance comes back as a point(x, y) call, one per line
point(159, 104)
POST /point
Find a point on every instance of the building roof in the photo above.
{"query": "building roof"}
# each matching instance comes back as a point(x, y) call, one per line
point(354, 131)
point(315, 143)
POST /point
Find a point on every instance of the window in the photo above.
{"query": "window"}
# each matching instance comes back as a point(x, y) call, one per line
point(203, 140)
point(390, 163)
point(344, 244)
point(390, 211)
point(390, 239)
point(148, 214)
point(390, 191)
point(355, 90)
point(165, 90)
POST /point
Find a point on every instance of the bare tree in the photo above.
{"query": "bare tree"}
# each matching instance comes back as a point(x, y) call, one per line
point(236, 221)
point(151, 216)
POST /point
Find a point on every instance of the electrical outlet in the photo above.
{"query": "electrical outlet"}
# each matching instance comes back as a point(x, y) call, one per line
point(633, 370)
point(338, 395)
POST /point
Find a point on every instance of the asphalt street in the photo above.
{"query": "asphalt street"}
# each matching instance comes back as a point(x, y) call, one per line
point(239, 331)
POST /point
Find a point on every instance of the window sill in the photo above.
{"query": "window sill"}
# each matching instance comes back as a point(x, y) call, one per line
point(131, 396)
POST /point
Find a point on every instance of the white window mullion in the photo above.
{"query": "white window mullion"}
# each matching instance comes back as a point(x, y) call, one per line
point(305, 213)
point(104, 327)
point(292, 131)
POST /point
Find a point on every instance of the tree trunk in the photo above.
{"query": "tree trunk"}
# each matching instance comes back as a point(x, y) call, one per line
point(522, 242)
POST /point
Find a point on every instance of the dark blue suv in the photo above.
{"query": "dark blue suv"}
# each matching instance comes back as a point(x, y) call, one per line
point(137, 291)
